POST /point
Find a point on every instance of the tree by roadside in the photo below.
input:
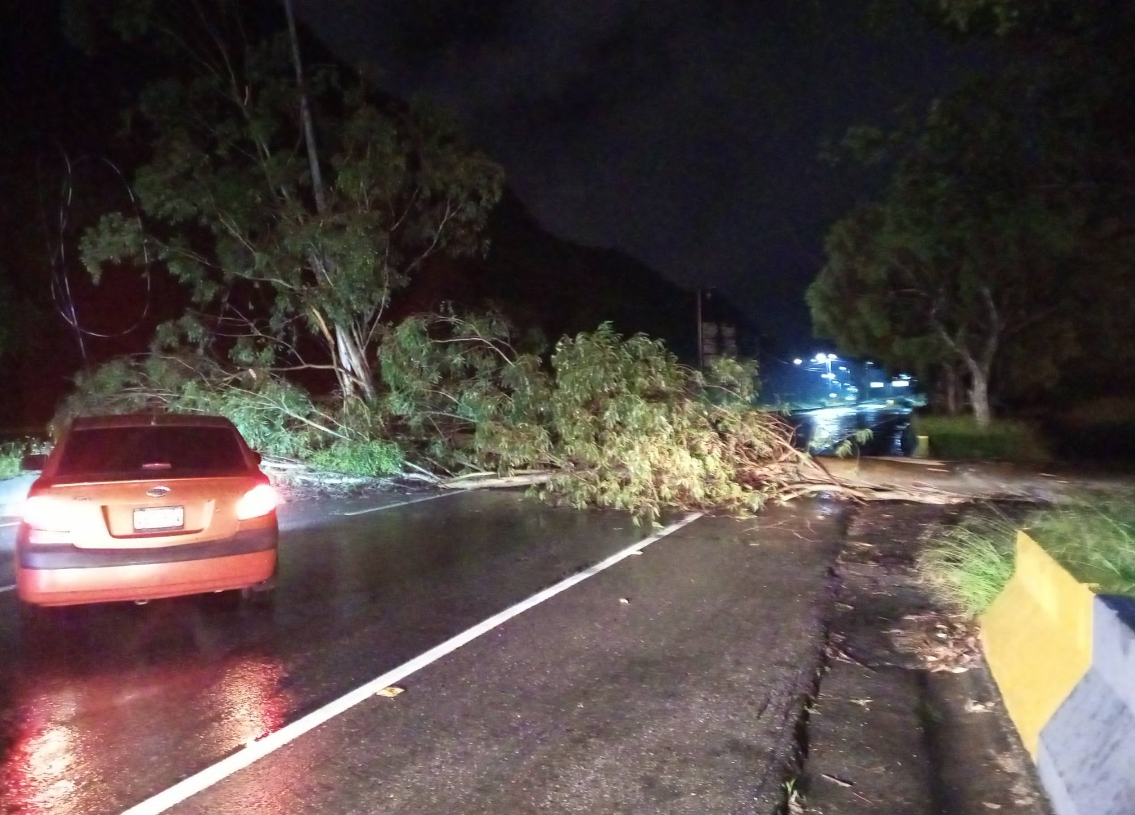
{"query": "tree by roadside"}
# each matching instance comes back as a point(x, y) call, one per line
point(288, 199)
point(999, 247)
point(964, 257)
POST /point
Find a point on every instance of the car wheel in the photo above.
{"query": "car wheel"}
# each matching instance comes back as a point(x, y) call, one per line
point(908, 441)
point(260, 594)
point(264, 592)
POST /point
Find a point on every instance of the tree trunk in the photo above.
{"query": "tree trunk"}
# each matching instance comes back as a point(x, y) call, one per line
point(981, 367)
point(358, 378)
point(953, 387)
point(979, 396)
point(352, 370)
point(355, 375)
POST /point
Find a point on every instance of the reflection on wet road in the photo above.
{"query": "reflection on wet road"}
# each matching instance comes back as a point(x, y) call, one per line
point(110, 704)
point(823, 429)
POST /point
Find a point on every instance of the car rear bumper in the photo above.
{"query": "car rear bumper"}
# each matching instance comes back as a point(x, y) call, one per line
point(66, 556)
point(55, 574)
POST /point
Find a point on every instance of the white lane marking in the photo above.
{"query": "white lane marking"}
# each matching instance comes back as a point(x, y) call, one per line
point(257, 750)
point(400, 503)
point(7, 588)
point(10, 523)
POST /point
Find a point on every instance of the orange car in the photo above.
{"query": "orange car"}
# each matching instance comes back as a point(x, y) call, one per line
point(145, 506)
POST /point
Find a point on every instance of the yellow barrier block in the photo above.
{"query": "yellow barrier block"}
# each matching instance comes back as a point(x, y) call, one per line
point(1038, 638)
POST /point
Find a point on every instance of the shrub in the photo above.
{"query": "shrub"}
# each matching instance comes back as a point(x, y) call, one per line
point(960, 437)
point(1096, 430)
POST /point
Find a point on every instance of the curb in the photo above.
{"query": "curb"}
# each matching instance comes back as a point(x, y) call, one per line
point(1064, 660)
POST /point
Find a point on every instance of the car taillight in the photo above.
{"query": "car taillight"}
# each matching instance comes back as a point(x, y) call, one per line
point(258, 501)
point(47, 514)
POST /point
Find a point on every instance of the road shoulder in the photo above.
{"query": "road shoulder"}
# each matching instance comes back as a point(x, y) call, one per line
point(907, 718)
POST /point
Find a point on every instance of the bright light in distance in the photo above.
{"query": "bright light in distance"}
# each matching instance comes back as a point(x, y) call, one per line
point(258, 501)
point(878, 384)
point(842, 368)
point(900, 383)
point(849, 396)
point(828, 376)
point(832, 357)
point(831, 396)
point(821, 358)
point(797, 361)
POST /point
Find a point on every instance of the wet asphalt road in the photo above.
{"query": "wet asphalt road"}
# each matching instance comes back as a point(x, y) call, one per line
point(681, 699)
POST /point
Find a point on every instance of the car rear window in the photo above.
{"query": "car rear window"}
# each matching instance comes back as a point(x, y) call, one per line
point(124, 453)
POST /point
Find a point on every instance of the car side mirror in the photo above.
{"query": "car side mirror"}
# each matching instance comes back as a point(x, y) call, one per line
point(33, 463)
point(256, 458)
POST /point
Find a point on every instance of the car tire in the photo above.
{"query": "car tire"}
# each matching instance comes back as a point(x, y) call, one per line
point(908, 441)
point(264, 592)
point(260, 594)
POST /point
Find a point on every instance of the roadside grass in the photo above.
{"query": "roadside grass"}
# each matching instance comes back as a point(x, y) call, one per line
point(1093, 537)
point(961, 438)
point(1094, 540)
point(969, 564)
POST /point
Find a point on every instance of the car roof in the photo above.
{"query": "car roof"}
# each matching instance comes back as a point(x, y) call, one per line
point(150, 420)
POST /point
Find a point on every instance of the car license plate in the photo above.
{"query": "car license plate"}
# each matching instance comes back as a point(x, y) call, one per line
point(159, 518)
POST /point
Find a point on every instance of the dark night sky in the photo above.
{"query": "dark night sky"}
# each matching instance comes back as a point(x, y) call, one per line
point(685, 132)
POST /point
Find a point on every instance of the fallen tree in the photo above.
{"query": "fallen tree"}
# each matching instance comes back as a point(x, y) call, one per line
point(611, 422)
point(805, 477)
point(602, 421)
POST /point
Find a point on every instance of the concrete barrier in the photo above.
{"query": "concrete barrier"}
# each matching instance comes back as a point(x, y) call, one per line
point(1086, 755)
point(1064, 660)
point(13, 491)
point(1037, 637)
